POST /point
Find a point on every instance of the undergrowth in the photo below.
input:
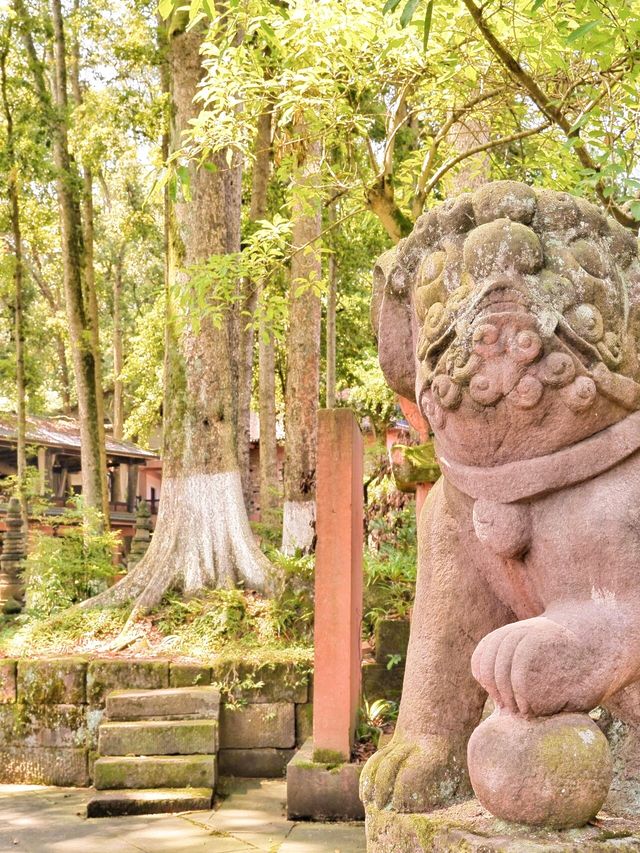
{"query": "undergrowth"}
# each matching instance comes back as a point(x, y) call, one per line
point(220, 624)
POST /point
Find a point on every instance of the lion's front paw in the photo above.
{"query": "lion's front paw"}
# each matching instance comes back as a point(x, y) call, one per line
point(538, 667)
point(415, 776)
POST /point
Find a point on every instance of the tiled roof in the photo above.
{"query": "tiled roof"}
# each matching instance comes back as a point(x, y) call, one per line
point(64, 433)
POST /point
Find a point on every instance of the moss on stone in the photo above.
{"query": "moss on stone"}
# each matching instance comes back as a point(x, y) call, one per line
point(332, 758)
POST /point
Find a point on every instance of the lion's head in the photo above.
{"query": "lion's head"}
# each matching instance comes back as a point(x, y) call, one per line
point(512, 316)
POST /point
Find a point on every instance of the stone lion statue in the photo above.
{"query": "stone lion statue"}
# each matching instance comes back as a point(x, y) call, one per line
point(512, 317)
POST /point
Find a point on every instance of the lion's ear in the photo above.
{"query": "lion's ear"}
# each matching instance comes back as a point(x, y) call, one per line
point(392, 318)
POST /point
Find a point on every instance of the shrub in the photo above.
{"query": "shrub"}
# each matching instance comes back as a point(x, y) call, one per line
point(69, 566)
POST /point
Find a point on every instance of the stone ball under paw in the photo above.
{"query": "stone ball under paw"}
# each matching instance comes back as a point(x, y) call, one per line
point(546, 771)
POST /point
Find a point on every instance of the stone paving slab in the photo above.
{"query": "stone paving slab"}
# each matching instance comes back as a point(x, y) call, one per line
point(251, 819)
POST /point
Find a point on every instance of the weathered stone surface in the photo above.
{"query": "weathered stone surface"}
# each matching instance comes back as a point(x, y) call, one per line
point(264, 763)
point(103, 676)
point(271, 682)
point(304, 722)
point(198, 702)
point(391, 639)
point(43, 766)
point(8, 672)
point(94, 717)
point(43, 725)
point(155, 801)
point(512, 317)
point(188, 675)
point(158, 737)
point(54, 681)
point(256, 726)
point(623, 798)
point(157, 771)
point(379, 682)
point(321, 792)
point(470, 828)
point(567, 763)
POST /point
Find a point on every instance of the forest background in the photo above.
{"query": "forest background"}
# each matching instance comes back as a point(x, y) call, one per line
point(194, 197)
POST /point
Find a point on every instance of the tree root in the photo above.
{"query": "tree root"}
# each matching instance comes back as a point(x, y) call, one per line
point(202, 540)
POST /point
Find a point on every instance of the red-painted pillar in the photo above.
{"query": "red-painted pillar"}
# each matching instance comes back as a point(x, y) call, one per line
point(338, 582)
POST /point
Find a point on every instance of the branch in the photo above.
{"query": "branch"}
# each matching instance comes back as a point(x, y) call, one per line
point(417, 203)
point(477, 149)
point(547, 107)
point(398, 119)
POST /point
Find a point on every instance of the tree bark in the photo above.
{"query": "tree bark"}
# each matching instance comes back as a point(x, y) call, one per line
point(270, 490)
point(90, 296)
point(249, 302)
point(18, 294)
point(332, 296)
point(202, 535)
point(94, 475)
point(118, 365)
point(303, 361)
point(268, 468)
point(118, 357)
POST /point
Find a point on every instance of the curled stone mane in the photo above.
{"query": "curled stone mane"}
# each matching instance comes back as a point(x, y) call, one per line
point(511, 294)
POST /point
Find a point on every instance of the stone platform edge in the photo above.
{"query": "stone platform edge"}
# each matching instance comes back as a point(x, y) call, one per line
point(468, 827)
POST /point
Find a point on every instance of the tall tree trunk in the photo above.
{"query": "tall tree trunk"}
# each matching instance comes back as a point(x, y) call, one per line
point(63, 368)
point(94, 475)
point(202, 535)
point(269, 481)
point(332, 296)
point(68, 186)
point(270, 491)
point(303, 361)
point(249, 302)
point(18, 294)
point(90, 297)
point(118, 364)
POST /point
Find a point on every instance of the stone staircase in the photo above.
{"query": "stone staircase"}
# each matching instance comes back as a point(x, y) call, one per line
point(156, 752)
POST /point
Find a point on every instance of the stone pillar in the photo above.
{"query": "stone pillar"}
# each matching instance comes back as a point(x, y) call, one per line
point(142, 536)
point(13, 552)
point(338, 584)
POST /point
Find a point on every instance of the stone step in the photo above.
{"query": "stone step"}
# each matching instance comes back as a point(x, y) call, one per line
point(158, 737)
point(150, 801)
point(155, 771)
point(192, 702)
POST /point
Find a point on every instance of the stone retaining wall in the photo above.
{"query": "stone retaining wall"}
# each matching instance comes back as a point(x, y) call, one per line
point(50, 710)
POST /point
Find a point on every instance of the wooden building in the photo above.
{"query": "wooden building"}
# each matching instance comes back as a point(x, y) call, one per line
point(53, 446)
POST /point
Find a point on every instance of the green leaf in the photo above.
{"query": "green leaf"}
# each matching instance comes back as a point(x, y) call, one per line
point(582, 30)
point(536, 6)
point(390, 6)
point(165, 8)
point(407, 12)
point(427, 25)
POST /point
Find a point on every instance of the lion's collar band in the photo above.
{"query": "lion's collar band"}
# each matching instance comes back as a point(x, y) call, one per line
point(529, 478)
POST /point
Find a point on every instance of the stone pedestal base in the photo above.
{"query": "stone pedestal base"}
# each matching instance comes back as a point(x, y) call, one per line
point(317, 791)
point(470, 828)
